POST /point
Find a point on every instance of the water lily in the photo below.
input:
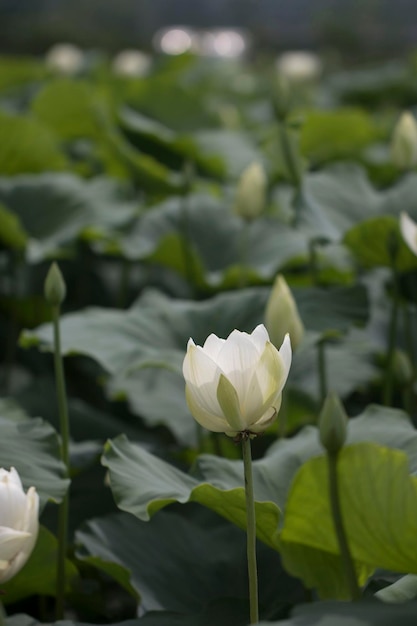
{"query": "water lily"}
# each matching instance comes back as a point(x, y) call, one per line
point(234, 385)
point(19, 523)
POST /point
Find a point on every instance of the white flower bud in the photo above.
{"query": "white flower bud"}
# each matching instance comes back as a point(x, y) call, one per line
point(408, 229)
point(235, 385)
point(251, 192)
point(281, 315)
point(404, 142)
point(19, 523)
point(55, 288)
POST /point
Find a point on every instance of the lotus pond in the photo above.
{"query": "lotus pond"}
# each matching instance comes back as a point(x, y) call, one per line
point(203, 198)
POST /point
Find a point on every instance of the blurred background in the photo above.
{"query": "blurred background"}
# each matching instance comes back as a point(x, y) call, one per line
point(355, 29)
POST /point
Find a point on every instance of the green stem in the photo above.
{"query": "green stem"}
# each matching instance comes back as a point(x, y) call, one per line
point(2, 615)
point(283, 416)
point(314, 273)
point(347, 561)
point(291, 158)
point(409, 335)
point(321, 358)
point(243, 254)
point(64, 427)
point(392, 335)
point(250, 531)
point(190, 269)
point(124, 283)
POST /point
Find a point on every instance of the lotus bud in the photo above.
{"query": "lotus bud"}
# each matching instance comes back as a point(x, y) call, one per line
point(235, 385)
point(281, 315)
point(333, 424)
point(408, 229)
point(281, 97)
point(404, 142)
point(251, 192)
point(19, 523)
point(55, 289)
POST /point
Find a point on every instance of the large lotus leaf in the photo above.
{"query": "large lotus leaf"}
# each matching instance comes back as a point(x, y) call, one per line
point(55, 209)
point(334, 308)
point(12, 235)
point(145, 131)
point(157, 395)
point(155, 96)
point(364, 613)
point(379, 505)
point(123, 160)
point(221, 613)
point(68, 107)
point(402, 590)
point(372, 86)
point(321, 570)
point(382, 425)
point(154, 331)
point(371, 242)
point(76, 111)
point(88, 423)
point(340, 197)
point(213, 238)
point(235, 149)
point(401, 196)
point(38, 576)
point(27, 146)
point(19, 71)
point(142, 484)
point(341, 133)
point(348, 363)
point(156, 562)
point(335, 199)
point(213, 477)
point(31, 446)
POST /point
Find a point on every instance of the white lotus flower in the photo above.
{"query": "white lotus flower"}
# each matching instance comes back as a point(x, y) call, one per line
point(281, 314)
point(234, 385)
point(19, 523)
point(408, 229)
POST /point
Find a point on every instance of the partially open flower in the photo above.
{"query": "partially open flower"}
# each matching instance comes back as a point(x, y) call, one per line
point(234, 385)
point(408, 229)
point(19, 523)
